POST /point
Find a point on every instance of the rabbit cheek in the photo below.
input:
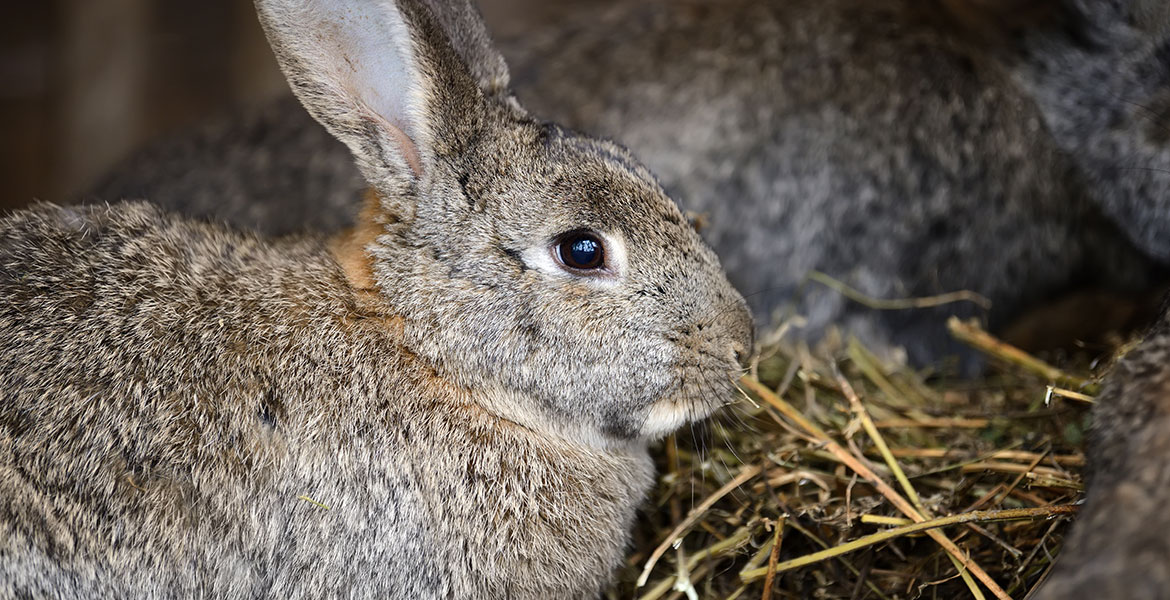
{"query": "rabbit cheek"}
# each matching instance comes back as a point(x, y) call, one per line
point(701, 390)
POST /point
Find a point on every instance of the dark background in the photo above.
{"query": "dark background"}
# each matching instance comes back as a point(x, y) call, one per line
point(84, 82)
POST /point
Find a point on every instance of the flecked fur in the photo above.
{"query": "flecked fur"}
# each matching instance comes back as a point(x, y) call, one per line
point(872, 141)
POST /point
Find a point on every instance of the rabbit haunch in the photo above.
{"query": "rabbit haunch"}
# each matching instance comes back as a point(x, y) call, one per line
point(430, 407)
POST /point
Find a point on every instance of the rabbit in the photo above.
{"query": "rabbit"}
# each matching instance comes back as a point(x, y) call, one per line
point(453, 400)
point(877, 141)
point(1118, 548)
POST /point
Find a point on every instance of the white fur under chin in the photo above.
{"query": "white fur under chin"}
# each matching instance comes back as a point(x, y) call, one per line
point(666, 416)
point(507, 405)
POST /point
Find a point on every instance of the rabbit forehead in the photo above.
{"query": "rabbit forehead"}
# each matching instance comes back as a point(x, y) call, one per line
point(543, 181)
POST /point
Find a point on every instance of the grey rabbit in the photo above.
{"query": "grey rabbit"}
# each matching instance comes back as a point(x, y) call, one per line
point(888, 143)
point(1120, 545)
point(451, 401)
point(891, 145)
point(882, 142)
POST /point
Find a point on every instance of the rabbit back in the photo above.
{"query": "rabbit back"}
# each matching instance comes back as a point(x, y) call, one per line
point(272, 170)
point(1103, 87)
point(153, 445)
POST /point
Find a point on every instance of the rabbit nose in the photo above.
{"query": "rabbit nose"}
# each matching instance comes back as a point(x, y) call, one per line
point(745, 334)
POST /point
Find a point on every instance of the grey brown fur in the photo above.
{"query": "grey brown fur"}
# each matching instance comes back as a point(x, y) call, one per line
point(1105, 97)
point(876, 141)
point(182, 401)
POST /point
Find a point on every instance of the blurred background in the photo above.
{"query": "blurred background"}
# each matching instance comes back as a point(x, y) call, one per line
point(84, 82)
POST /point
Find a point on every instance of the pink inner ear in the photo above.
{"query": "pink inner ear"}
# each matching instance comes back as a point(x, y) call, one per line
point(406, 146)
point(370, 58)
point(409, 150)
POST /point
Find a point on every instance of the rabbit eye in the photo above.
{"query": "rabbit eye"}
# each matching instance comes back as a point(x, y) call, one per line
point(581, 251)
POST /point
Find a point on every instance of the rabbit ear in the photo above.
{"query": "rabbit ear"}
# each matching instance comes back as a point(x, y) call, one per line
point(387, 77)
point(465, 30)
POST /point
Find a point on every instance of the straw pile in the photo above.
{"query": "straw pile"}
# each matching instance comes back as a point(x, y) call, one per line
point(840, 477)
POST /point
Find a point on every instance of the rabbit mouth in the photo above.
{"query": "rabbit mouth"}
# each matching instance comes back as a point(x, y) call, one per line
point(668, 415)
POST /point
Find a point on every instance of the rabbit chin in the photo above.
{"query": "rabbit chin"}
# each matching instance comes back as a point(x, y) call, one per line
point(669, 414)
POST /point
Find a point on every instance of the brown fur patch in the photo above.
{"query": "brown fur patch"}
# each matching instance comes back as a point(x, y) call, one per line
point(350, 247)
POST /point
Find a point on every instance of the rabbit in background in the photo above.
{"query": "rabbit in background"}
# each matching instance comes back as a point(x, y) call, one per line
point(874, 141)
point(273, 170)
point(886, 143)
point(452, 400)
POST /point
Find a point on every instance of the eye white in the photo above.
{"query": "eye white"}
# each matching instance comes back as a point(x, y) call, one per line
point(543, 258)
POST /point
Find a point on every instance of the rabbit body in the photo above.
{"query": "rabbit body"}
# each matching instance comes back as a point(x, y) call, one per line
point(1105, 97)
point(177, 396)
point(452, 400)
point(273, 170)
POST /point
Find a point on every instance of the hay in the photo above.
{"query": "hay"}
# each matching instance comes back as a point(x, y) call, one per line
point(844, 478)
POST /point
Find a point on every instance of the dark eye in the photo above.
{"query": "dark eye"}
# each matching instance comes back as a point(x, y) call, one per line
point(581, 250)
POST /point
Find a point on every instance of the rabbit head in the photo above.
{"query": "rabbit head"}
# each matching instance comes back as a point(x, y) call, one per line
point(542, 267)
